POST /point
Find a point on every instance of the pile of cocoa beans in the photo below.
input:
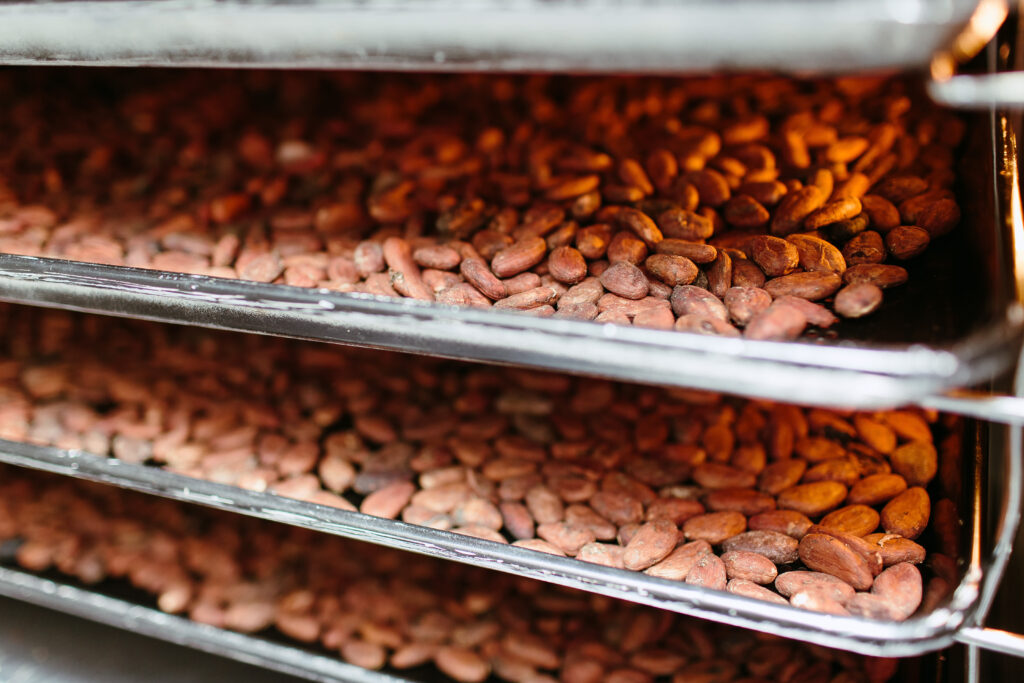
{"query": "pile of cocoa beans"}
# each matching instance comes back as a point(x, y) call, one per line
point(728, 205)
point(822, 509)
point(381, 608)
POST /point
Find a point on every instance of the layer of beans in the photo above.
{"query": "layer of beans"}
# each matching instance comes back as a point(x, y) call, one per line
point(815, 508)
point(742, 205)
point(381, 608)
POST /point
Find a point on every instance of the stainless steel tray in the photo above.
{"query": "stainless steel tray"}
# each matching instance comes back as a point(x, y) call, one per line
point(181, 631)
point(956, 323)
point(597, 35)
point(959, 619)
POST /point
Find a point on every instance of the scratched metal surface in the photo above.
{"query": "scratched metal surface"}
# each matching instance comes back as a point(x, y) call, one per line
point(39, 645)
point(510, 35)
point(925, 633)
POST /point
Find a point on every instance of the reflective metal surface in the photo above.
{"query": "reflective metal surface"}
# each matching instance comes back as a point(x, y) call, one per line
point(154, 623)
point(39, 645)
point(549, 35)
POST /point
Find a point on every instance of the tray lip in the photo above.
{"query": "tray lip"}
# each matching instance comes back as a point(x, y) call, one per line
point(482, 34)
point(877, 638)
point(151, 622)
point(890, 374)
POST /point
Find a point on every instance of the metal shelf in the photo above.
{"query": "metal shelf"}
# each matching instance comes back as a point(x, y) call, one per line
point(832, 375)
point(932, 335)
point(511, 35)
point(926, 633)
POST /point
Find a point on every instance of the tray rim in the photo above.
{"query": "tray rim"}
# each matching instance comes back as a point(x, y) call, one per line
point(843, 374)
point(453, 35)
point(916, 636)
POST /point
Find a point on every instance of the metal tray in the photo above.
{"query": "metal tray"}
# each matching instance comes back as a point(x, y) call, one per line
point(956, 323)
point(958, 620)
point(274, 656)
point(151, 622)
point(517, 35)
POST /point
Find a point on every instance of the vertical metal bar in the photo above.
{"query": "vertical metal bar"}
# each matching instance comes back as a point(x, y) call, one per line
point(972, 664)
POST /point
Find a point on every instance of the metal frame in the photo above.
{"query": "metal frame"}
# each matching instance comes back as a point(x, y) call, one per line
point(510, 35)
point(925, 633)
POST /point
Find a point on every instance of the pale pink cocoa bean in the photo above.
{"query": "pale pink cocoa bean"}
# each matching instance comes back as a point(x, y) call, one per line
point(655, 318)
point(517, 519)
point(700, 325)
point(871, 607)
point(477, 512)
point(749, 589)
point(587, 291)
point(388, 501)
point(895, 549)
point(652, 542)
point(462, 664)
point(777, 547)
point(790, 583)
point(521, 283)
point(744, 303)
point(527, 300)
point(263, 268)
point(613, 303)
point(568, 538)
point(817, 601)
point(545, 506)
point(580, 312)
point(604, 554)
point(439, 280)
point(411, 655)
point(368, 258)
point(680, 561)
point(816, 314)
point(581, 515)
point(742, 564)
point(776, 323)
point(617, 508)
point(625, 280)
point(709, 572)
point(858, 299)
point(463, 294)
point(901, 587)
point(689, 299)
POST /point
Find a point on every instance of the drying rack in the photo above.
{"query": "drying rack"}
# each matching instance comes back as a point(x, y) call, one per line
point(523, 35)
